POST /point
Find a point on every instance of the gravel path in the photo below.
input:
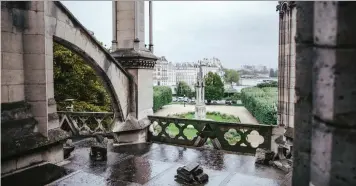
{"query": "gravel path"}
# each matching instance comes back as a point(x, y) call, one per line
point(241, 112)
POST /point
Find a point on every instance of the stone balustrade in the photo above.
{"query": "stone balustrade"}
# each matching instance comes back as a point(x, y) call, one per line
point(235, 137)
point(86, 123)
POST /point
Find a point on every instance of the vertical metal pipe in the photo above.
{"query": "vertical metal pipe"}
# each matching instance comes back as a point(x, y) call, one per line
point(150, 25)
point(114, 26)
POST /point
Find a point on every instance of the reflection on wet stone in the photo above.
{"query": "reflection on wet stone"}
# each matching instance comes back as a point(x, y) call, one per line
point(157, 164)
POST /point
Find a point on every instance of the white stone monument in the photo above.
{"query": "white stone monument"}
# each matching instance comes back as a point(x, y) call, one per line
point(200, 110)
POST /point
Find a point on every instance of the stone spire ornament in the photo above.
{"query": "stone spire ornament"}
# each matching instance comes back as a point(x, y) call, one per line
point(200, 110)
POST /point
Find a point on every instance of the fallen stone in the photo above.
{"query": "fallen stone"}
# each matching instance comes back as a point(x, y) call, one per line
point(191, 174)
point(98, 153)
point(264, 156)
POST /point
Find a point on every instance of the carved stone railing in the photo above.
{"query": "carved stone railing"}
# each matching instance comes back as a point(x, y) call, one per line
point(235, 137)
point(86, 123)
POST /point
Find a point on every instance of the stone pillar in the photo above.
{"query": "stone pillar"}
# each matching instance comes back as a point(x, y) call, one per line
point(333, 140)
point(138, 61)
point(303, 88)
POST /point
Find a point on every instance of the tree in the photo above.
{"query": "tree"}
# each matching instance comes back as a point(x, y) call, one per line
point(74, 79)
point(231, 76)
point(183, 89)
point(214, 87)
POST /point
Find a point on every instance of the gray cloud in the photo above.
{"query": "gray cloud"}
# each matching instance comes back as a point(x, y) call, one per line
point(237, 32)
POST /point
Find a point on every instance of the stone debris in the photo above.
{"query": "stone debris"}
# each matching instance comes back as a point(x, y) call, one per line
point(68, 147)
point(264, 156)
point(98, 151)
point(191, 174)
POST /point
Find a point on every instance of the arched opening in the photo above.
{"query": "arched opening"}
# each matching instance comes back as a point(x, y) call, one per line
point(83, 91)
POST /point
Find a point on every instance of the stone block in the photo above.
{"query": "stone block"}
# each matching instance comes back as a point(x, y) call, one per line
point(264, 156)
point(81, 40)
point(60, 29)
point(126, 34)
point(53, 124)
point(8, 166)
point(12, 61)
point(16, 93)
point(125, 5)
point(35, 92)
point(11, 42)
point(34, 44)
point(50, 76)
point(28, 160)
point(42, 126)
point(37, 6)
point(36, 23)
point(6, 21)
point(50, 90)
point(50, 23)
point(39, 108)
point(12, 77)
point(35, 77)
point(49, 62)
point(126, 25)
point(49, 46)
point(4, 94)
point(133, 137)
point(125, 14)
point(54, 154)
point(70, 33)
point(34, 61)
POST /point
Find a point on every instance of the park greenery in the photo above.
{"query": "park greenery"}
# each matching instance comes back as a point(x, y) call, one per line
point(231, 76)
point(183, 89)
point(74, 79)
point(162, 95)
point(273, 73)
point(216, 116)
point(214, 87)
point(268, 84)
point(262, 103)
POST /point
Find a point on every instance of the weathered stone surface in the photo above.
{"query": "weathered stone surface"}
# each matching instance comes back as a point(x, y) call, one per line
point(16, 146)
point(264, 156)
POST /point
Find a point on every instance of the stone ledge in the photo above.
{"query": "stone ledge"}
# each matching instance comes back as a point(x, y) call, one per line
point(17, 128)
point(131, 124)
point(13, 147)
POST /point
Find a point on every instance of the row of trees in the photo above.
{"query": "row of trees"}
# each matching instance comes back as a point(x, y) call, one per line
point(214, 88)
point(162, 95)
point(74, 79)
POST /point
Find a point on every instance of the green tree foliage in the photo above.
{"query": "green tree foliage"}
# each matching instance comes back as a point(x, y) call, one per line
point(231, 76)
point(214, 87)
point(273, 73)
point(74, 79)
point(162, 95)
point(268, 84)
point(184, 89)
point(262, 103)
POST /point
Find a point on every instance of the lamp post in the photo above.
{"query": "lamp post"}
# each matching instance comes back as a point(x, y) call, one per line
point(184, 100)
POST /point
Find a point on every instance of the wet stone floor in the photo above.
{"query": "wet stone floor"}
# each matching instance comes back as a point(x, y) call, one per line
point(156, 165)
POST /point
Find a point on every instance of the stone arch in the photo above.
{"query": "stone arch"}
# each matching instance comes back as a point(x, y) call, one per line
point(62, 27)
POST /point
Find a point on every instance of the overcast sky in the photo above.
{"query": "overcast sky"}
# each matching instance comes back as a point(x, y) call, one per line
point(236, 32)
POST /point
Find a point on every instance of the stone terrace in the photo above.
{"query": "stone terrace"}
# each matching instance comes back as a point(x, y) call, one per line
point(156, 164)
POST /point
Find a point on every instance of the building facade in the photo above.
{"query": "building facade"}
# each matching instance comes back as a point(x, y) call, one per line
point(164, 73)
point(187, 72)
point(169, 74)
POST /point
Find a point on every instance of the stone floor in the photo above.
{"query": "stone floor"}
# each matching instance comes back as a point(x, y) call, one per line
point(156, 164)
point(239, 111)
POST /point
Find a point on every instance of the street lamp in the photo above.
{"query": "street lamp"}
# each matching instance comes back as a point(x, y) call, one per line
point(184, 100)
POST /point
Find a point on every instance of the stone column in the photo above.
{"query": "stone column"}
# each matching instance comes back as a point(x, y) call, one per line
point(138, 61)
point(303, 88)
point(333, 140)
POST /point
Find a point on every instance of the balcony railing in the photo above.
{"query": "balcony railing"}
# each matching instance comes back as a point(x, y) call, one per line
point(226, 136)
point(86, 123)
